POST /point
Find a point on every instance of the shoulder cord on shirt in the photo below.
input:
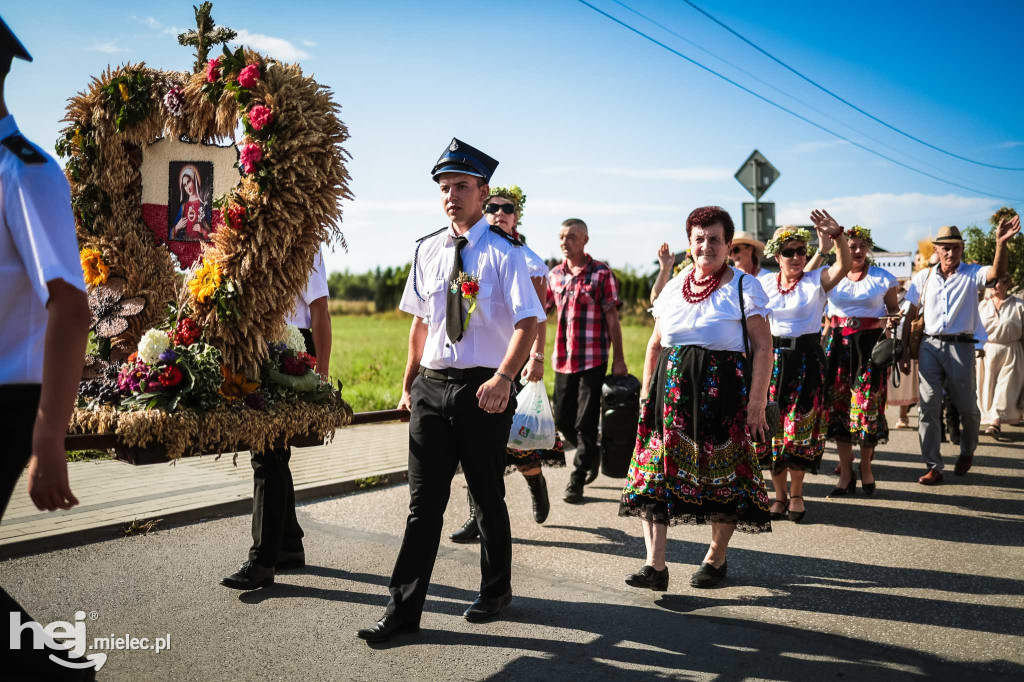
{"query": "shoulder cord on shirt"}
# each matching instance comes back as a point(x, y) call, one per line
point(415, 266)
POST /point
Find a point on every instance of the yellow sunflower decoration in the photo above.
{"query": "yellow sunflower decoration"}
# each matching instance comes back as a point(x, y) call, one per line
point(205, 281)
point(236, 386)
point(95, 270)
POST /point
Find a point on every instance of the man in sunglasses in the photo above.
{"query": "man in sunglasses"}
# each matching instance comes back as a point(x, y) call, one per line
point(587, 298)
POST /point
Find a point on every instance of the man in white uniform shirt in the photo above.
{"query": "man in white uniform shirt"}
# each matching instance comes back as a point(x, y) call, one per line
point(44, 324)
point(475, 315)
point(948, 294)
point(276, 534)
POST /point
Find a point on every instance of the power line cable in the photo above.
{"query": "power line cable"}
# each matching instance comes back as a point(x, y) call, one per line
point(845, 101)
point(784, 93)
point(793, 113)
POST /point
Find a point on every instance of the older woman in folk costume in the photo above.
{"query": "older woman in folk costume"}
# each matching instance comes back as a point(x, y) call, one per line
point(1001, 370)
point(703, 401)
point(797, 300)
point(857, 307)
point(504, 209)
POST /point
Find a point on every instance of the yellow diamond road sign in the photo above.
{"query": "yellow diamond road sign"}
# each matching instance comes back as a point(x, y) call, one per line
point(757, 174)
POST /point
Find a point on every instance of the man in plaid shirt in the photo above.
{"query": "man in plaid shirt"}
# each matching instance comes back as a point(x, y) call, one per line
point(587, 298)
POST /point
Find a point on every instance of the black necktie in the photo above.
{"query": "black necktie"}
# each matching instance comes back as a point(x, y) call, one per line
point(453, 314)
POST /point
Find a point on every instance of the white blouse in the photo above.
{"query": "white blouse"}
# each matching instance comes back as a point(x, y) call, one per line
point(798, 312)
point(864, 298)
point(534, 263)
point(714, 323)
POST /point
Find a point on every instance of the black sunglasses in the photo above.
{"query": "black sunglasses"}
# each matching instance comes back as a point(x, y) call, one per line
point(505, 208)
point(798, 251)
point(736, 250)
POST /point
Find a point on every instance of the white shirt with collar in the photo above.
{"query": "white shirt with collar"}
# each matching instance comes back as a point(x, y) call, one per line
point(315, 288)
point(506, 296)
point(798, 311)
point(37, 246)
point(951, 303)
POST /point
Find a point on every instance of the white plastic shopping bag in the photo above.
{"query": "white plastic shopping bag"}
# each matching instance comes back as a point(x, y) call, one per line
point(533, 426)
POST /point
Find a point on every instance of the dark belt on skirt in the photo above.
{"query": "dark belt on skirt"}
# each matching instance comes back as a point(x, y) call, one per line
point(953, 338)
point(458, 375)
point(794, 342)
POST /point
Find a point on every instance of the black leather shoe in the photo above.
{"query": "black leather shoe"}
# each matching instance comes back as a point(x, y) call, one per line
point(595, 469)
point(290, 560)
point(539, 492)
point(249, 576)
point(487, 607)
point(708, 576)
point(574, 491)
point(963, 464)
point(387, 627)
point(650, 578)
point(470, 531)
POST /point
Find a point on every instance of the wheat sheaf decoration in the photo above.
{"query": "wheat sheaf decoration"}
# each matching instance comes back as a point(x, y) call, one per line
point(225, 254)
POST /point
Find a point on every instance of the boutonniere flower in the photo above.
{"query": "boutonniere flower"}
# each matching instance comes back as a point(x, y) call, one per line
point(468, 286)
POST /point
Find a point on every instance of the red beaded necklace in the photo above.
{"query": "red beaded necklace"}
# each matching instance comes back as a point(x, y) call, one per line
point(710, 283)
point(778, 280)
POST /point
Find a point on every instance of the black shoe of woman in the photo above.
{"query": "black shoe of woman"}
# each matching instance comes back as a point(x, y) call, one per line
point(649, 578)
point(797, 516)
point(469, 531)
point(850, 488)
point(709, 576)
point(779, 515)
point(869, 488)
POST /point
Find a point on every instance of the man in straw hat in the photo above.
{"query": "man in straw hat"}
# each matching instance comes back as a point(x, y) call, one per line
point(948, 294)
point(44, 322)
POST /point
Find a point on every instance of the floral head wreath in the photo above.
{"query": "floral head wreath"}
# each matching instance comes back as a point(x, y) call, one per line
point(861, 233)
point(514, 194)
point(774, 245)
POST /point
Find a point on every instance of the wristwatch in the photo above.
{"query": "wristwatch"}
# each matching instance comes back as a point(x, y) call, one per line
point(537, 356)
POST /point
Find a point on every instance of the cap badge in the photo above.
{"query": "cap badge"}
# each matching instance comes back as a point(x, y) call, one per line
point(453, 146)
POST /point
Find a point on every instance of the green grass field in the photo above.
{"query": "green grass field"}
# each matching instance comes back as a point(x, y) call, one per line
point(368, 354)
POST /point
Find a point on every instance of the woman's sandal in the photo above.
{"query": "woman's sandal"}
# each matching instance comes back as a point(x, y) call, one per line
point(796, 516)
point(779, 515)
point(993, 431)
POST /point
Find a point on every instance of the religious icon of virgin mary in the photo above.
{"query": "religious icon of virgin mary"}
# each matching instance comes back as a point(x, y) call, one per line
point(192, 221)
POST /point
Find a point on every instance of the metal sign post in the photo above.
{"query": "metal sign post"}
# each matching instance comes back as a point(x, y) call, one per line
point(757, 174)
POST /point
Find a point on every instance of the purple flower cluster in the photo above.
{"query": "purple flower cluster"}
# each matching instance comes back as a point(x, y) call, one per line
point(132, 375)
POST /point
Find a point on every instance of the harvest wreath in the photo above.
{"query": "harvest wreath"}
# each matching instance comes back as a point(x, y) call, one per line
point(190, 349)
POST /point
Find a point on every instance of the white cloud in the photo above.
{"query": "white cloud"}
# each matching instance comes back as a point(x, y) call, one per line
point(1010, 144)
point(109, 47)
point(692, 174)
point(279, 48)
point(309, 43)
point(897, 220)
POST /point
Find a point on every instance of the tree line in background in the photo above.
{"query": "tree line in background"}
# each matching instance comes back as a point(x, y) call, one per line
point(384, 286)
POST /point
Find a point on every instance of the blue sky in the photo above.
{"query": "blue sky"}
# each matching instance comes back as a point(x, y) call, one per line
point(595, 122)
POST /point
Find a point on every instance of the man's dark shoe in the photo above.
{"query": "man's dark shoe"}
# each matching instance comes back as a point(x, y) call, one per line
point(539, 492)
point(574, 491)
point(249, 576)
point(387, 627)
point(487, 607)
point(709, 576)
point(933, 477)
point(290, 560)
point(649, 578)
point(470, 530)
point(595, 469)
point(963, 464)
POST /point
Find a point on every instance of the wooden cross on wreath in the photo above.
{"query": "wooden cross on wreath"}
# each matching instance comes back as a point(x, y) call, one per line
point(206, 35)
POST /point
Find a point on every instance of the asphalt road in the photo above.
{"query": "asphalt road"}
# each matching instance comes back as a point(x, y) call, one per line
point(913, 583)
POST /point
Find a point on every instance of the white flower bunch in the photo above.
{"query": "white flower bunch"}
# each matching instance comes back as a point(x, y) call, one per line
point(293, 339)
point(151, 345)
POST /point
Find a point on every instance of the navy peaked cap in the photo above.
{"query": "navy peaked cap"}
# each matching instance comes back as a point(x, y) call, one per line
point(10, 46)
point(459, 157)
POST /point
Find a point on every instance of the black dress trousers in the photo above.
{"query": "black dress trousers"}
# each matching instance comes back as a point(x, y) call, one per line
point(275, 528)
point(448, 428)
point(18, 406)
point(578, 413)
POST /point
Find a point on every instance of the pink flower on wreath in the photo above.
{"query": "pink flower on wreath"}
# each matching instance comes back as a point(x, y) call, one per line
point(251, 155)
point(249, 76)
point(213, 70)
point(260, 116)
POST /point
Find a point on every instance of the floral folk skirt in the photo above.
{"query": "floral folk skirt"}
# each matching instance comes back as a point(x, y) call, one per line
point(693, 462)
point(528, 459)
point(856, 391)
point(798, 386)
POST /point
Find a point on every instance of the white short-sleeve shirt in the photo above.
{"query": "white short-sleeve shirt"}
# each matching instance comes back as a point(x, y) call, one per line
point(714, 323)
point(534, 263)
point(799, 311)
point(37, 245)
point(315, 288)
point(951, 303)
point(506, 296)
point(864, 298)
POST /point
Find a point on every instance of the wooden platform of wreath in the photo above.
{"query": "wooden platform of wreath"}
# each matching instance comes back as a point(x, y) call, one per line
point(195, 243)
